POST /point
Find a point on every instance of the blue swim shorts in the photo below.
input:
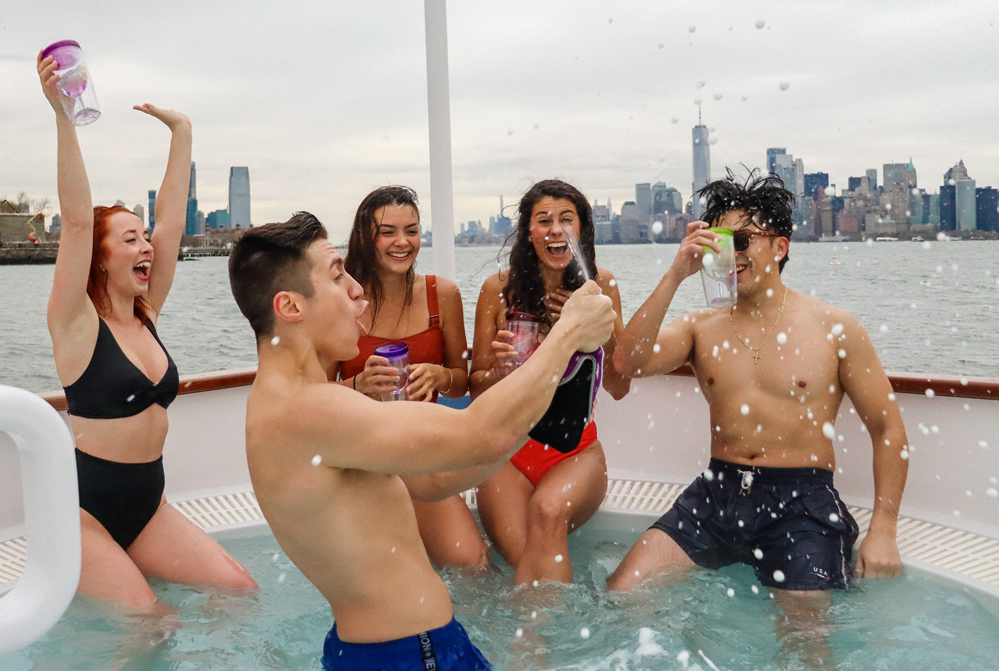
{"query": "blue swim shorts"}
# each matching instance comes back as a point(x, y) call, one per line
point(787, 523)
point(444, 649)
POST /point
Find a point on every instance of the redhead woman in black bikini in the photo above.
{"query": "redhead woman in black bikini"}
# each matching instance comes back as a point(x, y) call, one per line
point(109, 286)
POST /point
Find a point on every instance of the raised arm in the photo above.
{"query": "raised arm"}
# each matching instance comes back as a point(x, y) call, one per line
point(72, 318)
point(635, 355)
point(171, 204)
point(865, 382)
point(352, 432)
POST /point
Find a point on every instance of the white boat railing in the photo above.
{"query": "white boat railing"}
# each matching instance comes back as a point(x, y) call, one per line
point(51, 518)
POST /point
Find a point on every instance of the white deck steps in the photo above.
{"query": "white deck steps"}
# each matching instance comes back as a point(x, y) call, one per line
point(964, 553)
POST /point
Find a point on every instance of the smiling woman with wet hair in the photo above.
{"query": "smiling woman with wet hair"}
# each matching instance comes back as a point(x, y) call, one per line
point(109, 286)
point(530, 506)
point(424, 312)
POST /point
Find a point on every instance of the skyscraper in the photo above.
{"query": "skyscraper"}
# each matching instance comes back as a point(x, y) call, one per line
point(191, 221)
point(895, 173)
point(785, 169)
point(702, 164)
point(152, 210)
point(948, 207)
point(987, 200)
point(239, 197)
point(872, 179)
point(816, 180)
point(772, 155)
point(799, 178)
point(140, 212)
point(643, 198)
point(967, 214)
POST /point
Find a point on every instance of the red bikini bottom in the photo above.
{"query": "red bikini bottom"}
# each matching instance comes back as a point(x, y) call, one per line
point(535, 459)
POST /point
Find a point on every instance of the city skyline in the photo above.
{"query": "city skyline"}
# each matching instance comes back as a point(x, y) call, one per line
point(861, 85)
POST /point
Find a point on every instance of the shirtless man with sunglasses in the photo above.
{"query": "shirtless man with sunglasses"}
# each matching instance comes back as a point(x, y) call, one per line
point(767, 497)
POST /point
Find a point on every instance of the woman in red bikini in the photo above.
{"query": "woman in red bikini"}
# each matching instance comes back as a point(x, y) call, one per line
point(424, 312)
point(530, 505)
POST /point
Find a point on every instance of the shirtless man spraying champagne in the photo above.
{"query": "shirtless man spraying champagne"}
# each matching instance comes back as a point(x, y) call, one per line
point(773, 369)
point(326, 461)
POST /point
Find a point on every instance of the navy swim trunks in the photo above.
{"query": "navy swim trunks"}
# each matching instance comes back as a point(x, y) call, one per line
point(444, 649)
point(787, 523)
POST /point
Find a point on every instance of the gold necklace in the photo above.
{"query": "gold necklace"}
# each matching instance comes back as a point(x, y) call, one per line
point(758, 356)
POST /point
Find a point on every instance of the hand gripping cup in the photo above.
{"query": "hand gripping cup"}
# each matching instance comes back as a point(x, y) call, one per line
point(397, 353)
point(524, 327)
point(718, 272)
point(79, 99)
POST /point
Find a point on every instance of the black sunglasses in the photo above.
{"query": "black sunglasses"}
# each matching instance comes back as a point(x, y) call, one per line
point(741, 239)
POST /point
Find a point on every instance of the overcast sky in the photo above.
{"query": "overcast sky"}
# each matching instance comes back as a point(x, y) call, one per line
point(325, 100)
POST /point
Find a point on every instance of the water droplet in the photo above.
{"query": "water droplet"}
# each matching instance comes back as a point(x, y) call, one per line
point(130, 398)
point(982, 444)
point(778, 576)
point(558, 559)
point(316, 460)
point(758, 553)
point(782, 338)
point(926, 244)
point(713, 140)
point(991, 493)
point(661, 45)
point(930, 393)
point(756, 590)
point(834, 518)
point(869, 242)
point(657, 228)
point(708, 475)
point(883, 328)
point(904, 454)
point(842, 353)
point(697, 101)
point(730, 592)
point(683, 658)
point(745, 98)
point(510, 132)
point(520, 633)
point(717, 96)
point(281, 578)
point(830, 191)
point(784, 85)
point(691, 29)
point(675, 119)
point(584, 632)
point(760, 23)
point(952, 182)
point(828, 430)
point(656, 348)
point(744, 409)
point(837, 329)
point(725, 344)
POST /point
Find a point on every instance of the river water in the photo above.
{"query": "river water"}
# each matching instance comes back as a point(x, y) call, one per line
point(929, 307)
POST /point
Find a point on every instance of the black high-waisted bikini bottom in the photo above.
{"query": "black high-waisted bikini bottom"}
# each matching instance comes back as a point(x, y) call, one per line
point(122, 497)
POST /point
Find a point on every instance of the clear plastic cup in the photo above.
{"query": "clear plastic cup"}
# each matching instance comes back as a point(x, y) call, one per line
point(718, 272)
point(397, 353)
point(79, 99)
point(524, 327)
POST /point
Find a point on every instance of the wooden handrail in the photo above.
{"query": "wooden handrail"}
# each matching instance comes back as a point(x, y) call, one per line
point(986, 388)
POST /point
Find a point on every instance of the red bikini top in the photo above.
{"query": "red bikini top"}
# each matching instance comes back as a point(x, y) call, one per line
point(424, 347)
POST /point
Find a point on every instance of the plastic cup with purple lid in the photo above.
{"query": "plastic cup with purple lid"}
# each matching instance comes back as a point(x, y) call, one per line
point(524, 327)
point(79, 99)
point(397, 353)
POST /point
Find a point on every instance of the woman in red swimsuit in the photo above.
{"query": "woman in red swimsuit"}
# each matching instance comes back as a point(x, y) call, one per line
point(424, 312)
point(530, 505)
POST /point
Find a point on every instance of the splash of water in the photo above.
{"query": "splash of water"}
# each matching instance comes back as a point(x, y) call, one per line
point(570, 239)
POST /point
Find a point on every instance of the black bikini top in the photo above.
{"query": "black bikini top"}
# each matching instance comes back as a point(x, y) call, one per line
point(112, 386)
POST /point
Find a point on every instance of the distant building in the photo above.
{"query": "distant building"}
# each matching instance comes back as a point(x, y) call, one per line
point(853, 183)
point(816, 180)
point(894, 173)
point(239, 197)
point(967, 211)
point(634, 228)
point(702, 164)
point(643, 198)
point(56, 227)
point(603, 229)
point(140, 212)
point(218, 219)
point(772, 155)
point(987, 209)
point(784, 167)
point(956, 174)
point(152, 209)
point(191, 220)
point(872, 180)
point(799, 178)
point(948, 207)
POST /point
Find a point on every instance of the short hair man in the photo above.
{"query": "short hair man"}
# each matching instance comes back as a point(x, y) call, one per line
point(767, 498)
point(326, 461)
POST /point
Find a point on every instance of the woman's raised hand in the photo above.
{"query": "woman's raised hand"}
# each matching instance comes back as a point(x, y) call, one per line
point(47, 74)
point(172, 118)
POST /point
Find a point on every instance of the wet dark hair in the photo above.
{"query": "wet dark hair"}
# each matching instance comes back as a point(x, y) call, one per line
point(269, 259)
point(525, 290)
point(766, 201)
point(362, 258)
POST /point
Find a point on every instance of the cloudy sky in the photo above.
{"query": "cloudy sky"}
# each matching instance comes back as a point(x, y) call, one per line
point(325, 100)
